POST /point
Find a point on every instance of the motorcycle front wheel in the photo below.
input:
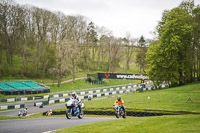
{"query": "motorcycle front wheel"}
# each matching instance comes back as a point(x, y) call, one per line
point(69, 113)
point(117, 114)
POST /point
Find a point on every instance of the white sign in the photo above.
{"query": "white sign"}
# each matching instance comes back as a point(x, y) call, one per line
point(132, 76)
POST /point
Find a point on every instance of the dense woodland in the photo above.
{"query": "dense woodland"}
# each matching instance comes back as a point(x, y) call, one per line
point(41, 43)
point(38, 43)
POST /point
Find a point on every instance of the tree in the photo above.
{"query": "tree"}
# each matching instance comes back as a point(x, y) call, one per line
point(187, 5)
point(75, 35)
point(162, 22)
point(92, 38)
point(173, 49)
point(10, 27)
point(128, 43)
point(42, 19)
point(62, 49)
point(196, 44)
point(114, 53)
point(155, 71)
point(102, 48)
point(141, 55)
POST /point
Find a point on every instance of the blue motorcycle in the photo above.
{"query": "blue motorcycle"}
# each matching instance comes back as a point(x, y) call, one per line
point(73, 110)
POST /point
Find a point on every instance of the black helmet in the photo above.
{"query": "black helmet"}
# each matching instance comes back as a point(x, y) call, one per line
point(118, 98)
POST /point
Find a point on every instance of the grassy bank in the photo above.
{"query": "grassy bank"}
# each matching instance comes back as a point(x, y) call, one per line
point(39, 115)
point(171, 99)
point(161, 124)
point(164, 100)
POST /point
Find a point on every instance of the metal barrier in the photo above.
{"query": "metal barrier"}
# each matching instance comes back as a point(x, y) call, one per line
point(18, 106)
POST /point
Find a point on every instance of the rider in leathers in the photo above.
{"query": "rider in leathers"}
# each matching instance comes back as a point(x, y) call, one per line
point(120, 102)
point(77, 100)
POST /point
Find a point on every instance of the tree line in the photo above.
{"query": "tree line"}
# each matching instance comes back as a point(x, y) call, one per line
point(175, 56)
point(39, 43)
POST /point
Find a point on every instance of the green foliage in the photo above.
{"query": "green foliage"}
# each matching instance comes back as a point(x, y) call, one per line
point(141, 42)
point(141, 55)
point(37, 43)
point(169, 59)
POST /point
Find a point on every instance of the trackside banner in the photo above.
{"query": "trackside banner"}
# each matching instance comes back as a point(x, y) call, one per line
point(122, 76)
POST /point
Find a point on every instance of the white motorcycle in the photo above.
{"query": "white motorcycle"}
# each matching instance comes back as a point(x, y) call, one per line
point(73, 109)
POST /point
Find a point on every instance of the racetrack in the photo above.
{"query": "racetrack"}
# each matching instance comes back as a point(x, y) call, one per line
point(34, 110)
point(31, 110)
point(39, 125)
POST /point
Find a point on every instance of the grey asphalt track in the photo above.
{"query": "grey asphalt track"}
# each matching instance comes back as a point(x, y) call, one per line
point(34, 110)
point(31, 110)
point(40, 125)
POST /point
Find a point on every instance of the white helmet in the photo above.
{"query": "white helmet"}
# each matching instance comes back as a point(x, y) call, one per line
point(74, 94)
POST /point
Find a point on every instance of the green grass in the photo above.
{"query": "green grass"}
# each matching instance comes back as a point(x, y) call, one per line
point(161, 124)
point(173, 100)
point(39, 115)
point(132, 70)
point(81, 84)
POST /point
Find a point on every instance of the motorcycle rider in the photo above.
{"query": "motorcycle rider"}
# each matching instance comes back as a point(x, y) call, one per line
point(120, 102)
point(25, 110)
point(77, 100)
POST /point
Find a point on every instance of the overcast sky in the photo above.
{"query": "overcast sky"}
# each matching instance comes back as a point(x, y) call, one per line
point(137, 17)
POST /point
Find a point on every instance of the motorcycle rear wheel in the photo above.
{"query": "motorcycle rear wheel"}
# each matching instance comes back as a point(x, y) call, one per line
point(123, 113)
point(124, 116)
point(80, 115)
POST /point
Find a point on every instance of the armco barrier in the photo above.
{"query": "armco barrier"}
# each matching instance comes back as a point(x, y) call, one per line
point(87, 96)
point(128, 113)
point(68, 94)
point(51, 101)
point(4, 107)
point(16, 99)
